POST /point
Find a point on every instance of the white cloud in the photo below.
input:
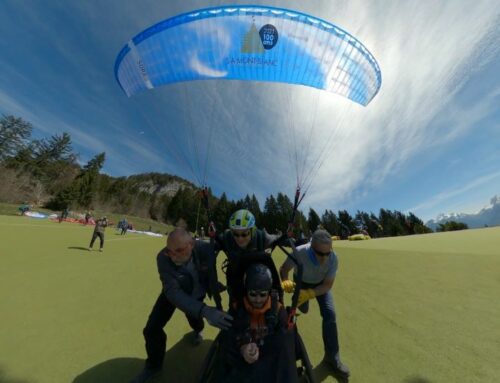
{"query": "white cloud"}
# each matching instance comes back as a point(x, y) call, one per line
point(425, 50)
point(141, 150)
point(10, 105)
point(459, 119)
point(445, 196)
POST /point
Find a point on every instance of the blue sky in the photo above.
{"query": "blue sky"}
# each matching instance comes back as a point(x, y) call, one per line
point(428, 143)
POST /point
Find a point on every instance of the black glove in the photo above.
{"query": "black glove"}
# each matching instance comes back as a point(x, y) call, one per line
point(216, 317)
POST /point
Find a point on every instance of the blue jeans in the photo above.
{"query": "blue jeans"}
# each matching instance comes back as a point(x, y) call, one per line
point(329, 325)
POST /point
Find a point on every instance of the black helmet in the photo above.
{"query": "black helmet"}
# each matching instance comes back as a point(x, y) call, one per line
point(258, 277)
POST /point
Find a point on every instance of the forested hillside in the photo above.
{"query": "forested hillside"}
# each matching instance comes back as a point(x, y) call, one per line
point(45, 173)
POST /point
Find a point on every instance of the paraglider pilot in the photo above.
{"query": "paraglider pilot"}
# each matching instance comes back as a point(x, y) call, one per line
point(242, 238)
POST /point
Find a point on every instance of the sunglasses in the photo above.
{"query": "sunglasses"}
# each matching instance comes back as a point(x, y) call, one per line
point(241, 235)
point(321, 254)
point(255, 294)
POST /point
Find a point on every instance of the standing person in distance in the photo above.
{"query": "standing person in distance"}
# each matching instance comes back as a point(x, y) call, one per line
point(124, 227)
point(87, 217)
point(64, 214)
point(320, 265)
point(100, 227)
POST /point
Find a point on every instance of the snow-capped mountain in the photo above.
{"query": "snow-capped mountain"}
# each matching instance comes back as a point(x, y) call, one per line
point(487, 216)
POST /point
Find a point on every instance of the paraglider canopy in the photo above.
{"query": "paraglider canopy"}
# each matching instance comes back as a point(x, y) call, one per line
point(256, 43)
point(251, 43)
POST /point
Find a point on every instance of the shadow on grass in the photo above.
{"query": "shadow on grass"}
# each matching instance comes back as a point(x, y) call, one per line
point(5, 379)
point(323, 370)
point(79, 248)
point(122, 370)
point(417, 379)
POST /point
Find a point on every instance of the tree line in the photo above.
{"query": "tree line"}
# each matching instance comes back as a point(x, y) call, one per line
point(46, 171)
point(277, 211)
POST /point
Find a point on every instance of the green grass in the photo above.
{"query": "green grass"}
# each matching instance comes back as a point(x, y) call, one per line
point(410, 310)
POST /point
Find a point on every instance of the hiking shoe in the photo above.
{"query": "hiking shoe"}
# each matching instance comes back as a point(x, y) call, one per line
point(339, 368)
point(146, 375)
point(198, 338)
point(100, 250)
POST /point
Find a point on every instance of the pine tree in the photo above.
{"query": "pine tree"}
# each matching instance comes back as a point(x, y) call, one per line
point(347, 225)
point(14, 134)
point(270, 215)
point(222, 212)
point(284, 213)
point(330, 222)
point(255, 209)
point(313, 220)
point(86, 180)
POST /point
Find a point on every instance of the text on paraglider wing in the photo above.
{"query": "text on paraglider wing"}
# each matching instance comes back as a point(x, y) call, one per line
point(250, 61)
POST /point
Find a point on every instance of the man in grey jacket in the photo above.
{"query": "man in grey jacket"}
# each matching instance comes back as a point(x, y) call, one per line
point(185, 269)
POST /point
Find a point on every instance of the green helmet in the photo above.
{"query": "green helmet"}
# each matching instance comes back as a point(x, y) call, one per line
point(242, 220)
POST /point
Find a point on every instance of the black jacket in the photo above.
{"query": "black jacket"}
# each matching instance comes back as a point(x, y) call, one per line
point(260, 241)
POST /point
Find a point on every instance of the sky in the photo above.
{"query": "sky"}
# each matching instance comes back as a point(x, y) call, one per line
point(428, 143)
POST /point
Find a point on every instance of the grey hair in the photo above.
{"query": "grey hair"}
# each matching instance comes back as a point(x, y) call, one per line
point(180, 232)
point(321, 237)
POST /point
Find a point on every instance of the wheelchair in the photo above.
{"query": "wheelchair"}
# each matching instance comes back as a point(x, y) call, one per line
point(216, 363)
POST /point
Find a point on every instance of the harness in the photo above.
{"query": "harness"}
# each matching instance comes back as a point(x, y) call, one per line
point(256, 332)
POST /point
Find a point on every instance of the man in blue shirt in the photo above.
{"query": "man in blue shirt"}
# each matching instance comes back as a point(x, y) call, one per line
point(320, 265)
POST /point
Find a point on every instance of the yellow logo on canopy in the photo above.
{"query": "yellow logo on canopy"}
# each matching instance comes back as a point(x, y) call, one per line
point(252, 42)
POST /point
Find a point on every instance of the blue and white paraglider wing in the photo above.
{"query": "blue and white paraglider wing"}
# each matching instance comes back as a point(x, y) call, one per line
point(249, 43)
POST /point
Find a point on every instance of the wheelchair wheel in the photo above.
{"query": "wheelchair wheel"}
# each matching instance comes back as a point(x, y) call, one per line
point(209, 361)
point(304, 368)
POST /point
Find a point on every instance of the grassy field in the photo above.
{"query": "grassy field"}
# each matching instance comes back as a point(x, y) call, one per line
point(415, 309)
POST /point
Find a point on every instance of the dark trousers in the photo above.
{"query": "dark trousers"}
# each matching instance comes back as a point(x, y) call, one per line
point(156, 339)
point(276, 363)
point(329, 325)
point(101, 239)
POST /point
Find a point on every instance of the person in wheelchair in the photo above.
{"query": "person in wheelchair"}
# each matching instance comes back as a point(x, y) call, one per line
point(259, 346)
